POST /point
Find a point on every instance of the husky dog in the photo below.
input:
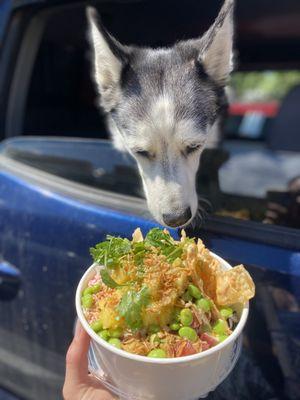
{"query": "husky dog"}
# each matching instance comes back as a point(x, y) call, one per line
point(162, 105)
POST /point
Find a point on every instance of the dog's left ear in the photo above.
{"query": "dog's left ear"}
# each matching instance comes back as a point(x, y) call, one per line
point(216, 54)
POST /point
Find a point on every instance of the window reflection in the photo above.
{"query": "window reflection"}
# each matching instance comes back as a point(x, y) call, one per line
point(259, 151)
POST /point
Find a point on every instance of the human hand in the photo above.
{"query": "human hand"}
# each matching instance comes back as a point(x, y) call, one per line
point(79, 384)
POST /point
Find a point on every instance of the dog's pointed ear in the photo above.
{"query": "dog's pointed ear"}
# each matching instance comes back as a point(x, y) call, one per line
point(216, 53)
point(109, 59)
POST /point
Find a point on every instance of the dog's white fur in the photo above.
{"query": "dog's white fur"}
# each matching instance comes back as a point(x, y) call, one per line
point(168, 175)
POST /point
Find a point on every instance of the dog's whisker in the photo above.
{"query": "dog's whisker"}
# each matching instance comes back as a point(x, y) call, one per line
point(202, 212)
point(206, 202)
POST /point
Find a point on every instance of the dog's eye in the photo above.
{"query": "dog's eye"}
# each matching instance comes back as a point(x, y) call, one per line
point(192, 149)
point(143, 153)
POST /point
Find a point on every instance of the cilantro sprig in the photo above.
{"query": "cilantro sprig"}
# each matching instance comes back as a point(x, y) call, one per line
point(110, 252)
point(131, 306)
point(108, 280)
point(163, 240)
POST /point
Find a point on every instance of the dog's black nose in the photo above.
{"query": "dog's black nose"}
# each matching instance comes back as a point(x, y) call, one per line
point(177, 219)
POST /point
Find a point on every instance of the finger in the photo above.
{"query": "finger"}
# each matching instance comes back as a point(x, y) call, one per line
point(76, 359)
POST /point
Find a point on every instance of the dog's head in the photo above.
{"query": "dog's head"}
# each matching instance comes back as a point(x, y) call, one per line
point(161, 105)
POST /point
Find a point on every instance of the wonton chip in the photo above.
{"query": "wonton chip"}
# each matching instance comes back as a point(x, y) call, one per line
point(209, 268)
point(234, 286)
point(192, 263)
point(183, 235)
point(137, 236)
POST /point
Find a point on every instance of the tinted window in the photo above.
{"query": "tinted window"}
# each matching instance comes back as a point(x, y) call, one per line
point(260, 180)
point(61, 99)
point(91, 162)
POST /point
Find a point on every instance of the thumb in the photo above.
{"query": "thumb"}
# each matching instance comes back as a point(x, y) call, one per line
point(76, 359)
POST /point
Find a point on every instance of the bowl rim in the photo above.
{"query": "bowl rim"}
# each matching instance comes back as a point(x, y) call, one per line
point(144, 359)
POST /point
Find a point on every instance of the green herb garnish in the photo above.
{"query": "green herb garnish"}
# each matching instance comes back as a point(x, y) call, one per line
point(158, 238)
point(139, 250)
point(108, 280)
point(131, 306)
point(110, 252)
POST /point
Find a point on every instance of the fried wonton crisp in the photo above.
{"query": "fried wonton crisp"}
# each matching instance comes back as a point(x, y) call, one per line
point(234, 286)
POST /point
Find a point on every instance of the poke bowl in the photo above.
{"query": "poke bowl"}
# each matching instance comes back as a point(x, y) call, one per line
point(164, 352)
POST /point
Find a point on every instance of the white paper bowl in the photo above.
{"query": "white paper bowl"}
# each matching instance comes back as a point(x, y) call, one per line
point(134, 377)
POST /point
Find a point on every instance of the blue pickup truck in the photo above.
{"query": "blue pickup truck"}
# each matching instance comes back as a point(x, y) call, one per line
point(63, 187)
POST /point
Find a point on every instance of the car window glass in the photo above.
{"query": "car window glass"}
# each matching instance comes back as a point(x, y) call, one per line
point(257, 163)
point(61, 99)
point(91, 162)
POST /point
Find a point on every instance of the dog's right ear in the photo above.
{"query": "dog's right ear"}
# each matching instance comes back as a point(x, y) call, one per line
point(215, 48)
point(216, 54)
point(109, 58)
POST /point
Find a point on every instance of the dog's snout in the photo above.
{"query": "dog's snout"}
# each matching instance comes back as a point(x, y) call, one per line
point(177, 219)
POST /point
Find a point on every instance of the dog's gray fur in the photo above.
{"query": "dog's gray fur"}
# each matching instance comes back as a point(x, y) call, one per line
point(161, 106)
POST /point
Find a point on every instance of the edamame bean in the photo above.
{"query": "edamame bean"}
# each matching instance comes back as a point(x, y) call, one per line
point(91, 289)
point(175, 326)
point(226, 312)
point(97, 326)
point(157, 353)
point(104, 335)
point(194, 292)
point(87, 290)
point(116, 333)
point(96, 288)
point(115, 342)
point(221, 338)
point(87, 301)
point(186, 317)
point(220, 327)
point(188, 333)
point(204, 304)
